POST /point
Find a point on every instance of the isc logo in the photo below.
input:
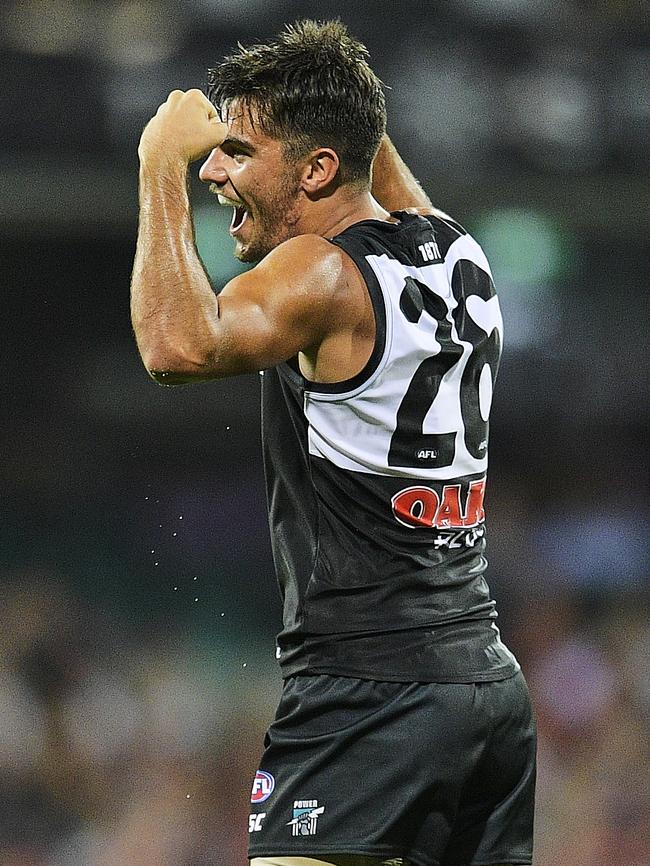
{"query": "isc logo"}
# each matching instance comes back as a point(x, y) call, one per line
point(255, 822)
point(263, 785)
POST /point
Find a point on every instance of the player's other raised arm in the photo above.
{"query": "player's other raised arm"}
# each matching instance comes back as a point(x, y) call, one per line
point(393, 184)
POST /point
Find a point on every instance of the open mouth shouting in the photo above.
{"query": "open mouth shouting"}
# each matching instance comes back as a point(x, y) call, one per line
point(240, 212)
point(239, 217)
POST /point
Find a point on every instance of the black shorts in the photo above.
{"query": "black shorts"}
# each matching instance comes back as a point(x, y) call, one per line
point(442, 774)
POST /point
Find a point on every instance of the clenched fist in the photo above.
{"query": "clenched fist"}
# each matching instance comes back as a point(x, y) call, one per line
point(185, 128)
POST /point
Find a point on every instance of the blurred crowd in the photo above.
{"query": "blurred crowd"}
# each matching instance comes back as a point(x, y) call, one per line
point(478, 89)
point(121, 747)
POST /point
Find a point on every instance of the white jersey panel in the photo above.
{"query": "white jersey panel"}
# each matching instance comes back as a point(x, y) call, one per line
point(354, 430)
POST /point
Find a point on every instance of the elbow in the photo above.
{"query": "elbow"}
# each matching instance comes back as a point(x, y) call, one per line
point(169, 369)
point(168, 378)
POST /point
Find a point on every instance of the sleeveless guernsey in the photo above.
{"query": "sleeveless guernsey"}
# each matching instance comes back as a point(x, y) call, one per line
point(376, 485)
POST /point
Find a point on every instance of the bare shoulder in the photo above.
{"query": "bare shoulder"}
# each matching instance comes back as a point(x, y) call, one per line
point(312, 257)
point(306, 273)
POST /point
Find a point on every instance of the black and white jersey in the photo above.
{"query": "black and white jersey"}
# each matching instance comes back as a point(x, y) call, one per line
point(376, 485)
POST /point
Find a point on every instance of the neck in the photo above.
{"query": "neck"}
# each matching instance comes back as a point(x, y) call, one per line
point(330, 215)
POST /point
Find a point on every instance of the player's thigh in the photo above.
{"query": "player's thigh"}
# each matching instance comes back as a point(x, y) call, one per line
point(332, 860)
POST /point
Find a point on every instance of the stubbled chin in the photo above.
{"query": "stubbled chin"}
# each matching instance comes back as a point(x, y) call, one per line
point(245, 254)
point(259, 244)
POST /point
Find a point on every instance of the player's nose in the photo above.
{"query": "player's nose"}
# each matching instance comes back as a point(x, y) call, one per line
point(212, 170)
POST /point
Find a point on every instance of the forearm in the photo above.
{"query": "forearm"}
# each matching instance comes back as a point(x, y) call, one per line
point(173, 308)
point(393, 184)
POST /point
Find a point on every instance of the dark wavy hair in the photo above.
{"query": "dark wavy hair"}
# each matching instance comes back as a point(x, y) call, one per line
point(310, 87)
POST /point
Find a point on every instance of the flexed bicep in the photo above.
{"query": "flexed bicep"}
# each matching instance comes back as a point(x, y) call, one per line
point(291, 302)
point(283, 306)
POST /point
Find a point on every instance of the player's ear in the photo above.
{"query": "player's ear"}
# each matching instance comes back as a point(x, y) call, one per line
point(320, 171)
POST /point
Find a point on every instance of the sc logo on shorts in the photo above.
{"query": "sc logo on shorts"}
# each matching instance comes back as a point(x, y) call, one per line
point(263, 785)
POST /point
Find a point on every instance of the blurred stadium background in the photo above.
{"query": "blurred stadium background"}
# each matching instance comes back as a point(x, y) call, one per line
point(138, 605)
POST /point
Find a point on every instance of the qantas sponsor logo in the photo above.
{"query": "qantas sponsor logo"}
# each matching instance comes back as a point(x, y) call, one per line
point(418, 507)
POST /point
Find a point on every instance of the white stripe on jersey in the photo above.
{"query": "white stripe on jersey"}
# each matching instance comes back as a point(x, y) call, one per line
point(353, 430)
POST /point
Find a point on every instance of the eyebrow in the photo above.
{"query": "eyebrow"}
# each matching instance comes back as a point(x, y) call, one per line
point(239, 143)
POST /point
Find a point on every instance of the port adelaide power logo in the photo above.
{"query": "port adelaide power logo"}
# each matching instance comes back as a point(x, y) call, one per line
point(305, 817)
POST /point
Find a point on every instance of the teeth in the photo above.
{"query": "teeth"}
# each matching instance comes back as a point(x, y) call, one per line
point(228, 202)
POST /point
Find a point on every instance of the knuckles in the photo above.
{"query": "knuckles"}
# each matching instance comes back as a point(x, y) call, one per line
point(187, 118)
point(192, 95)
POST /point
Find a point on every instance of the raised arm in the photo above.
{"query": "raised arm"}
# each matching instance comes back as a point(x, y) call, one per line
point(289, 303)
point(173, 308)
point(393, 184)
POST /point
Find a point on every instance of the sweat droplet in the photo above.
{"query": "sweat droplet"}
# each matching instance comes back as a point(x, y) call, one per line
point(244, 665)
point(174, 534)
point(180, 516)
point(187, 796)
point(196, 599)
point(155, 563)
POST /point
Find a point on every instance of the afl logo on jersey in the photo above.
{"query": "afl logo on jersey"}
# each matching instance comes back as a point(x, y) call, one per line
point(263, 785)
